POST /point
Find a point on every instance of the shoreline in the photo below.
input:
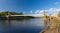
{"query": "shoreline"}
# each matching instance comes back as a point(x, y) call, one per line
point(16, 17)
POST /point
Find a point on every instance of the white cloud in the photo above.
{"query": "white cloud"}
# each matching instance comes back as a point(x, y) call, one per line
point(31, 11)
point(56, 2)
point(53, 10)
point(58, 10)
point(41, 12)
point(37, 11)
point(48, 11)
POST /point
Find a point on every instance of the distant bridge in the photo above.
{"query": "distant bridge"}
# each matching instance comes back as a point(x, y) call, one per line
point(34, 15)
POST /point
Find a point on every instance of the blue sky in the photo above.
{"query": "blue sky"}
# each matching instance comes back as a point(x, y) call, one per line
point(30, 6)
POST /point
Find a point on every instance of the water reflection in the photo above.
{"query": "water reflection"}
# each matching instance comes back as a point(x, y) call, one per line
point(24, 26)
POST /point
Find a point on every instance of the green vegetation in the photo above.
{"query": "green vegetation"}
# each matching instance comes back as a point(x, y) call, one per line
point(3, 14)
point(11, 13)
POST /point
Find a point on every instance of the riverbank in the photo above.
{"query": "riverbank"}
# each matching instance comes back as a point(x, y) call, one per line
point(15, 17)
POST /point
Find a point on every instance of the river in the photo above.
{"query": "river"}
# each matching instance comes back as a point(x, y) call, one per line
point(33, 25)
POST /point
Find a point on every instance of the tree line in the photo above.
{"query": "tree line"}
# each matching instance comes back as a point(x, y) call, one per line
point(11, 13)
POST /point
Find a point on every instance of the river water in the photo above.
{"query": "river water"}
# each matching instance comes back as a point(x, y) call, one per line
point(34, 25)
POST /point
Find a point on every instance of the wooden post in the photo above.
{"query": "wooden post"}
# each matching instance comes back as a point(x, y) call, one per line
point(45, 19)
point(49, 20)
